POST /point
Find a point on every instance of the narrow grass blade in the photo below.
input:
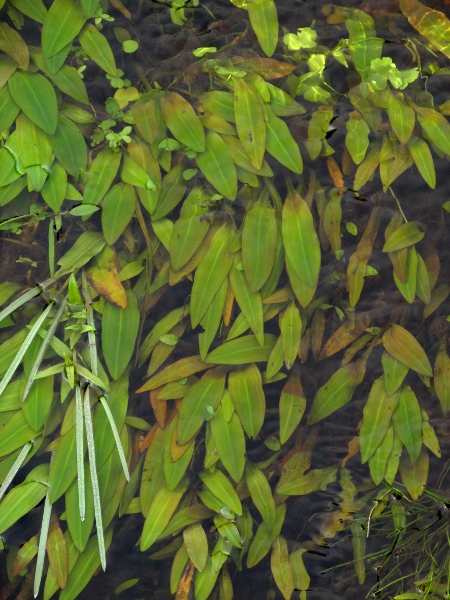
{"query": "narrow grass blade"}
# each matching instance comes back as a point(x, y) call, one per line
point(51, 247)
point(13, 470)
point(20, 301)
point(42, 544)
point(24, 347)
point(80, 452)
point(94, 478)
point(90, 321)
point(43, 349)
point(112, 423)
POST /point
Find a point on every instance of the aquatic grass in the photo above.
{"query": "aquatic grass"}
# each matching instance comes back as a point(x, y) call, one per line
point(79, 434)
point(94, 478)
point(15, 468)
point(42, 545)
point(119, 446)
point(24, 347)
point(43, 349)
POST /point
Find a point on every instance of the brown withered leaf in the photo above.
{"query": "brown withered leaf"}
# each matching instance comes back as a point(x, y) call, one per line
point(185, 589)
point(159, 407)
point(345, 335)
point(335, 172)
point(103, 275)
point(353, 449)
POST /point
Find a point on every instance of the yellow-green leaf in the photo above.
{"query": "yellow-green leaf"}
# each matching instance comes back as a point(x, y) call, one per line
point(98, 49)
point(247, 395)
point(300, 239)
point(404, 347)
point(401, 116)
point(182, 121)
point(69, 146)
point(119, 332)
point(292, 406)
point(250, 122)
point(211, 272)
point(229, 440)
point(264, 19)
point(442, 378)
point(217, 166)
point(118, 208)
point(219, 485)
point(260, 493)
point(11, 43)
point(415, 475)
point(242, 350)
point(420, 151)
point(62, 23)
point(196, 543)
point(101, 174)
point(36, 97)
point(406, 235)
point(407, 421)
point(280, 143)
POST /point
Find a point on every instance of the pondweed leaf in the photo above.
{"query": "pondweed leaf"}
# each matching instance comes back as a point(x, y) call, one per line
point(62, 23)
point(217, 166)
point(300, 239)
point(229, 440)
point(119, 333)
point(281, 567)
point(264, 20)
point(35, 95)
point(98, 49)
point(247, 395)
point(292, 406)
point(118, 208)
point(182, 121)
point(249, 302)
point(250, 122)
point(405, 348)
point(242, 350)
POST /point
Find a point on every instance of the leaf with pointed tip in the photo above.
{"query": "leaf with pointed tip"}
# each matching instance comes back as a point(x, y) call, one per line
point(250, 122)
point(98, 49)
point(36, 96)
point(242, 350)
point(118, 208)
point(11, 43)
point(247, 395)
point(229, 440)
point(404, 347)
point(292, 406)
point(62, 23)
point(182, 121)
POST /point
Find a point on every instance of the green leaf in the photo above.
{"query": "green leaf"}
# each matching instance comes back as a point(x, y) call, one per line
point(54, 189)
point(217, 166)
point(260, 493)
point(242, 350)
point(62, 23)
point(12, 44)
point(119, 333)
point(8, 109)
point(86, 565)
point(259, 240)
point(292, 406)
point(314, 480)
point(64, 465)
point(20, 501)
point(247, 395)
point(88, 245)
point(250, 122)
point(336, 392)
point(36, 97)
point(405, 348)
point(404, 236)
point(229, 440)
point(15, 433)
point(423, 159)
point(300, 239)
point(219, 485)
point(193, 410)
point(69, 146)
point(281, 567)
point(35, 9)
point(98, 49)
point(182, 121)
point(160, 512)
point(407, 421)
point(377, 418)
point(249, 302)
point(211, 272)
point(118, 208)
point(280, 143)
point(100, 175)
point(69, 81)
point(264, 20)
point(89, 7)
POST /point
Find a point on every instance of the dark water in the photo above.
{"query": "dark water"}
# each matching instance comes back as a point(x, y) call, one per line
point(165, 53)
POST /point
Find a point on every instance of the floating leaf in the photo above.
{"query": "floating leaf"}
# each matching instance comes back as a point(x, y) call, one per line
point(97, 47)
point(62, 23)
point(264, 20)
point(405, 348)
point(260, 493)
point(182, 121)
point(415, 475)
point(217, 166)
point(259, 238)
point(119, 332)
point(249, 121)
point(404, 236)
point(247, 395)
point(229, 440)
point(36, 97)
point(407, 421)
point(314, 480)
point(292, 406)
point(300, 239)
point(210, 273)
point(336, 392)
point(118, 208)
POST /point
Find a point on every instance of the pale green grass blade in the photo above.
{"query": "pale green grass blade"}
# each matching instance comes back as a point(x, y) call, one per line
point(80, 452)
point(24, 347)
point(25, 297)
point(13, 470)
point(112, 423)
point(94, 478)
point(42, 544)
point(43, 349)
point(90, 321)
point(51, 247)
